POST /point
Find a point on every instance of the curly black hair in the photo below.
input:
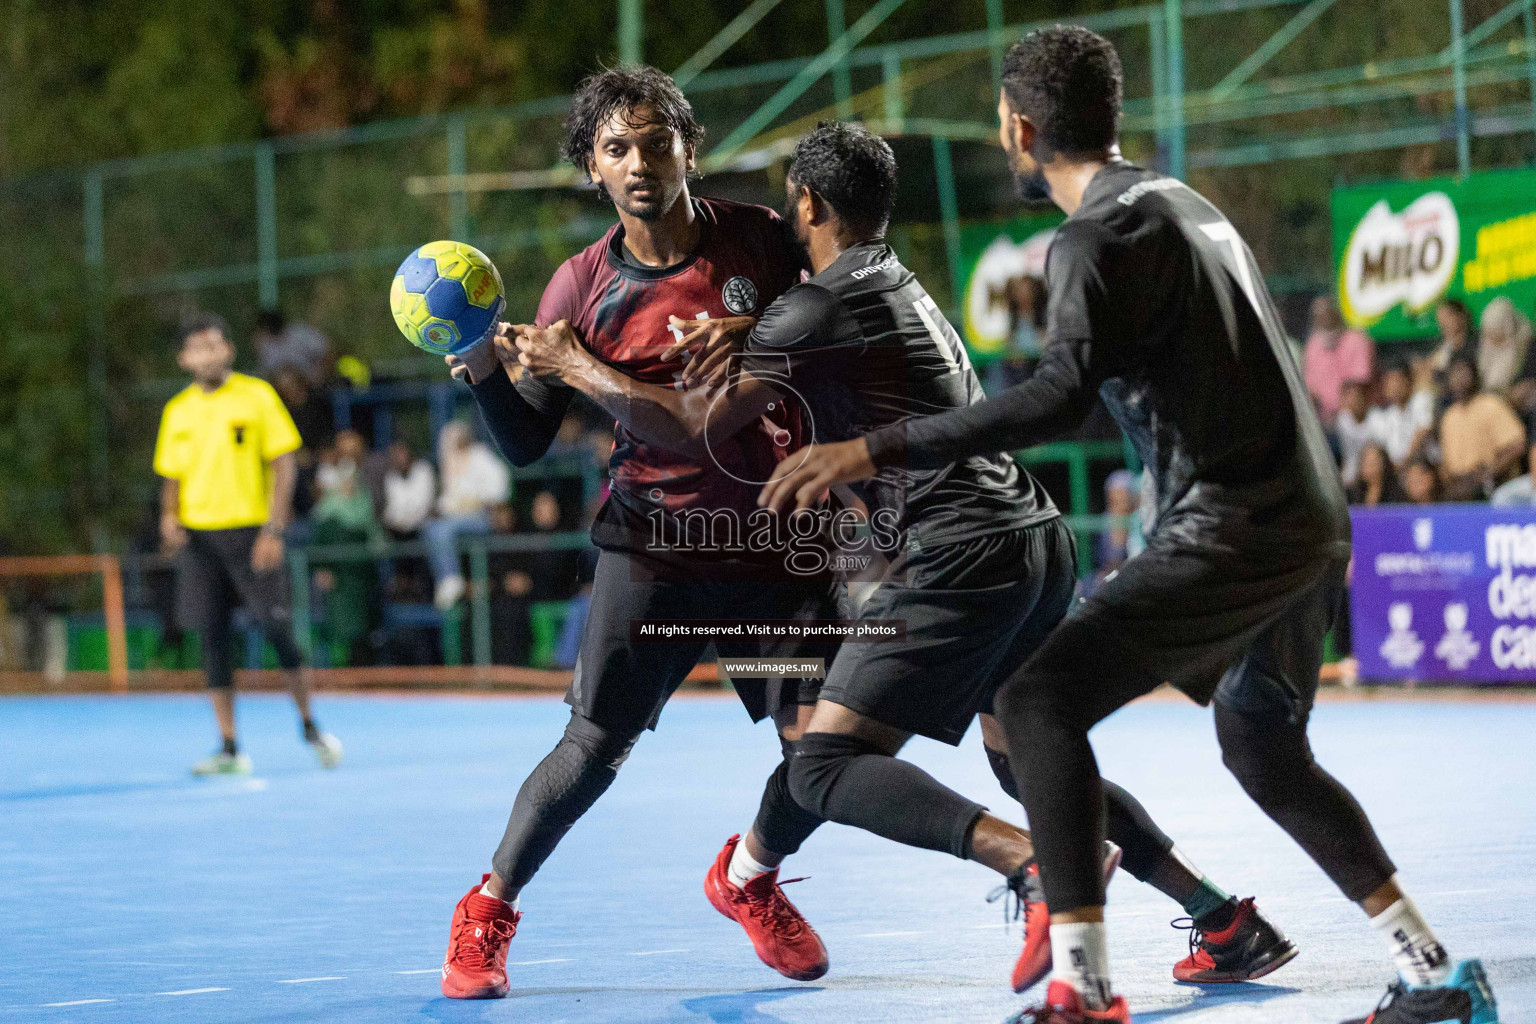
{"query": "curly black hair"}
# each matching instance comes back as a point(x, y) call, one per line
point(850, 167)
point(624, 88)
point(1067, 81)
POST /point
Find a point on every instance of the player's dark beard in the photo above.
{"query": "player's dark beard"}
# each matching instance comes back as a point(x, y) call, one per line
point(802, 241)
point(649, 210)
point(1030, 186)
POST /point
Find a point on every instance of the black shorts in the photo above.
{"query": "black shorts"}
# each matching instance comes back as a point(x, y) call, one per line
point(214, 577)
point(974, 612)
point(623, 685)
point(1217, 625)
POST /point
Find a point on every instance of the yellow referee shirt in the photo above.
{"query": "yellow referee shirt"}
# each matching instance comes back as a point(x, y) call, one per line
point(218, 444)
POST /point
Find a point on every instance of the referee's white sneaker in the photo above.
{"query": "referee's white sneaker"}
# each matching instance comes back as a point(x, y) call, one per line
point(223, 764)
point(328, 749)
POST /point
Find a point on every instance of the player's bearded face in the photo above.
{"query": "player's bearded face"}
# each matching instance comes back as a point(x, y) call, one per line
point(792, 213)
point(1028, 176)
point(642, 164)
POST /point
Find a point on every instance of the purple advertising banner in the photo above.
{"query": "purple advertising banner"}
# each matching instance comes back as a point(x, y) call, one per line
point(1445, 592)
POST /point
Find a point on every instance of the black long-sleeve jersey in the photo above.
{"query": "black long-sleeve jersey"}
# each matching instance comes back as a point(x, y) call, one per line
point(1156, 304)
point(863, 345)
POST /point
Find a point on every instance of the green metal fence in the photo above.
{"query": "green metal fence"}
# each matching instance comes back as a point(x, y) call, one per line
point(115, 253)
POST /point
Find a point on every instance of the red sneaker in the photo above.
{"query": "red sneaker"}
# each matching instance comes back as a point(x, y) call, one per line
point(1034, 961)
point(784, 939)
point(1064, 1006)
point(476, 964)
point(1247, 948)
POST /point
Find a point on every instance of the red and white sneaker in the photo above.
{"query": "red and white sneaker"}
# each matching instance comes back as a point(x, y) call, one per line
point(1248, 947)
point(783, 938)
point(1034, 961)
point(1064, 1006)
point(476, 964)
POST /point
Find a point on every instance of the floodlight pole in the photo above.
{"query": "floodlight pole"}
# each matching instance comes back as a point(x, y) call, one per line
point(96, 359)
point(996, 46)
point(842, 78)
point(1459, 84)
point(631, 30)
point(1173, 17)
point(1530, 54)
point(266, 226)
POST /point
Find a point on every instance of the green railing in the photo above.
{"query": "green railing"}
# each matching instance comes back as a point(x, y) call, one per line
point(478, 550)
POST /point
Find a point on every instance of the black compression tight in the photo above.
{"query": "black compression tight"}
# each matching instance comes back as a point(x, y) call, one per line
point(557, 793)
point(1273, 760)
point(580, 769)
point(782, 825)
point(1126, 822)
point(1047, 709)
point(853, 782)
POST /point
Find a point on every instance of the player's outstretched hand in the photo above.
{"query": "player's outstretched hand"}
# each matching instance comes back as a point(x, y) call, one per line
point(809, 473)
point(713, 343)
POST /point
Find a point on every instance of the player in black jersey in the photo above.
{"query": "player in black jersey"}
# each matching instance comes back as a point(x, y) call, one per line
point(980, 568)
point(1157, 306)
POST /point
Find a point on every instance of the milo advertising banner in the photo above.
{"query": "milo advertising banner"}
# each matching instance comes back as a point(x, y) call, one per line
point(1399, 248)
point(993, 255)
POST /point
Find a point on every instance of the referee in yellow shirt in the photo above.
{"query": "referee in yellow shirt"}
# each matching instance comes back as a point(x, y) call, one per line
point(225, 451)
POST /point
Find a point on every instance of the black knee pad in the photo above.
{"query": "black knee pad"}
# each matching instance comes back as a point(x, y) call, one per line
point(1003, 769)
point(599, 744)
point(819, 760)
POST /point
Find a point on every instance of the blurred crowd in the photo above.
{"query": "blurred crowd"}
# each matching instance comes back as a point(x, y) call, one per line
point(1448, 420)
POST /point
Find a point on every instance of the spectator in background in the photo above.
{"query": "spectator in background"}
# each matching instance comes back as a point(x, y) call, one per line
point(1455, 321)
point(1420, 481)
point(1375, 483)
point(473, 481)
point(312, 415)
point(409, 486)
point(1406, 418)
point(1481, 438)
point(554, 570)
point(1504, 348)
point(1349, 426)
point(344, 514)
point(281, 343)
point(1522, 489)
point(1334, 354)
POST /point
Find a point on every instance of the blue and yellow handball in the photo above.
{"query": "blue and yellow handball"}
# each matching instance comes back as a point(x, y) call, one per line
point(445, 296)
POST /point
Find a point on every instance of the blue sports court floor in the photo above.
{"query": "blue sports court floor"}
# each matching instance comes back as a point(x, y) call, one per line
point(130, 892)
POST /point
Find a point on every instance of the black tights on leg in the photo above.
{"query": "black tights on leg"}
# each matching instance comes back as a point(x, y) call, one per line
point(1273, 760)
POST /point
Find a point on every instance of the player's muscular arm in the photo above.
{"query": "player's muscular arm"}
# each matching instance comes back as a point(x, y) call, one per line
point(673, 419)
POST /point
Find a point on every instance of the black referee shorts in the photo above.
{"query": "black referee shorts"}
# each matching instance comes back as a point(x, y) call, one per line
point(214, 577)
point(974, 611)
point(623, 685)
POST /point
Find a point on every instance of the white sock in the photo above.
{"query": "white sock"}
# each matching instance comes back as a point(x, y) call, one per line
point(1080, 958)
point(1420, 958)
point(743, 867)
point(511, 902)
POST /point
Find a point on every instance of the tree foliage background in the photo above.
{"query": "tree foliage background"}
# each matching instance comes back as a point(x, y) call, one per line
point(90, 80)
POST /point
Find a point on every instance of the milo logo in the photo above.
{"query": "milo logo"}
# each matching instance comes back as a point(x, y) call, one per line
point(1393, 259)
